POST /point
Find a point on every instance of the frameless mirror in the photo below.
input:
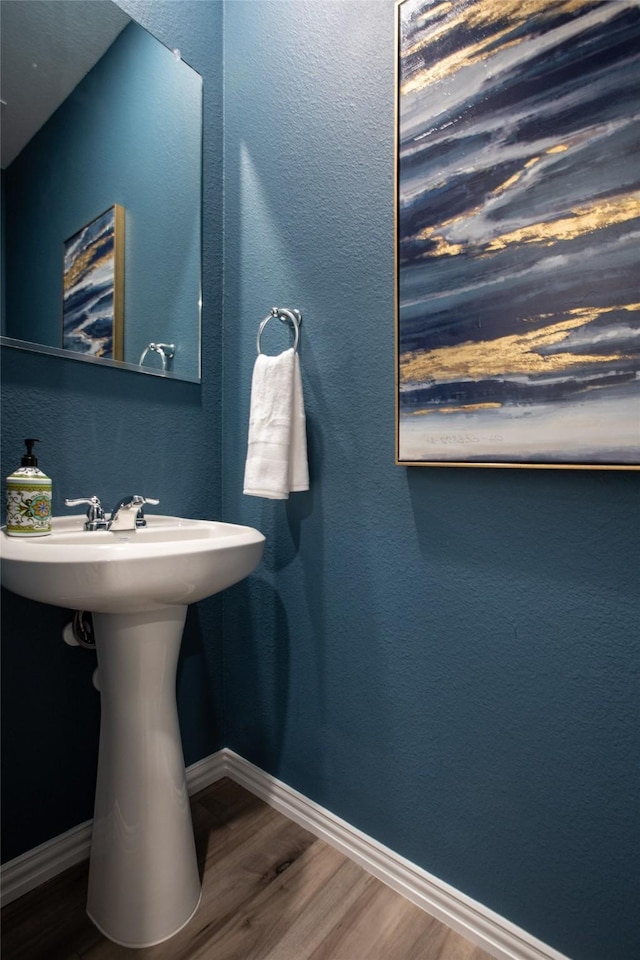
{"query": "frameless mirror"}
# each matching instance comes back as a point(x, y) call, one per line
point(102, 188)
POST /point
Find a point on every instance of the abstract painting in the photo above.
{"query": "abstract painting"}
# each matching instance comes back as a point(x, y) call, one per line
point(518, 233)
point(93, 286)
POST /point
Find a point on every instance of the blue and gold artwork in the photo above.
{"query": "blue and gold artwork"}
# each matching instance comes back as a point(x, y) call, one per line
point(518, 232)
point(92, 289)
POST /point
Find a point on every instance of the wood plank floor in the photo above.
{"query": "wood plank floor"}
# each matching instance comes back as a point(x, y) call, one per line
point(271, 891)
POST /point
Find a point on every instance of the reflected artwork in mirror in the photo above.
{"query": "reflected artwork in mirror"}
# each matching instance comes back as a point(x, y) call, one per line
point(93, 291)
point(112, 120)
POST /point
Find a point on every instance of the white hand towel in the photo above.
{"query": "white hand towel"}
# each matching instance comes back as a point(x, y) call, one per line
point(277, 446)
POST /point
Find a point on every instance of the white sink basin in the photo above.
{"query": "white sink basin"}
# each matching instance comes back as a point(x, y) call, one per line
point(170, 561)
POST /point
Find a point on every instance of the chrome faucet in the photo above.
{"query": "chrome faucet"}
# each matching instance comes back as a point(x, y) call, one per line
point(128, 513)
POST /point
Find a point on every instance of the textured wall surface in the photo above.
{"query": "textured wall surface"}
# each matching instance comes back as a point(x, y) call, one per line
point(446, 658)
point(112, 432)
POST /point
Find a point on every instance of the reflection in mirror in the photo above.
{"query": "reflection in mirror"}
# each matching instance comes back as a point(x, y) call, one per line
point(113, 119)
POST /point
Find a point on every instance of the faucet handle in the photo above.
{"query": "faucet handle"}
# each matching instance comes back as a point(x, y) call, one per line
point(95, 514)
point(141, 501)
point(95, 507)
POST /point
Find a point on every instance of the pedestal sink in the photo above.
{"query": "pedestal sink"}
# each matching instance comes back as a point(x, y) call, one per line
point(143, 877)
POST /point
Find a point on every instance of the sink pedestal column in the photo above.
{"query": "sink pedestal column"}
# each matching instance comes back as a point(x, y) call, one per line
point(143, 876)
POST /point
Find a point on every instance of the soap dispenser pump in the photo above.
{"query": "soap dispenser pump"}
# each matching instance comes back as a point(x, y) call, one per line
point(28, 498)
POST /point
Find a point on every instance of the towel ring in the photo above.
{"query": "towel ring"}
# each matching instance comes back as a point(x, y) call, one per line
point(294, 317)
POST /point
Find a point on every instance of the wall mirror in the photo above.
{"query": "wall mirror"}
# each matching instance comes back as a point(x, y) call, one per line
point(102, 189)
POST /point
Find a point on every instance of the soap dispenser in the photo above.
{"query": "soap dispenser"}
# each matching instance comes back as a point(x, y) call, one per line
point(28, 498)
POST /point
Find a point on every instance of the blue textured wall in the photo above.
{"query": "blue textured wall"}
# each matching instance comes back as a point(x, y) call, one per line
point(446, 658)
point(128, 134)
point(110, 432)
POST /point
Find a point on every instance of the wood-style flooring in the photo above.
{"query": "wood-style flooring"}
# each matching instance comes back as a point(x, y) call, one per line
point(271, 891)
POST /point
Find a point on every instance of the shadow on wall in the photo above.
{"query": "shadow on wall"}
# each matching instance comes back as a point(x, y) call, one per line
point(257, 671)
point(275, 654)
point(41, 757)
point(457, 520)
point(199, 681)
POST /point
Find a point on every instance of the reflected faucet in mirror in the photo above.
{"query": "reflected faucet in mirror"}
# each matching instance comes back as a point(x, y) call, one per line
point(166, 351)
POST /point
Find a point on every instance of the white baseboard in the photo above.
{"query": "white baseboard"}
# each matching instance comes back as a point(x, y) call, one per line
point(42, 863)
point(49, 859)
point(498, 936)
point(205, 772)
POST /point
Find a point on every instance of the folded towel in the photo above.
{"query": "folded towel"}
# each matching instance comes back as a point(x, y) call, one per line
point(277, 446)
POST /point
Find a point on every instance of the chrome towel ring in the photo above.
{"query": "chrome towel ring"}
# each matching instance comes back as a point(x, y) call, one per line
point(294, 317)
